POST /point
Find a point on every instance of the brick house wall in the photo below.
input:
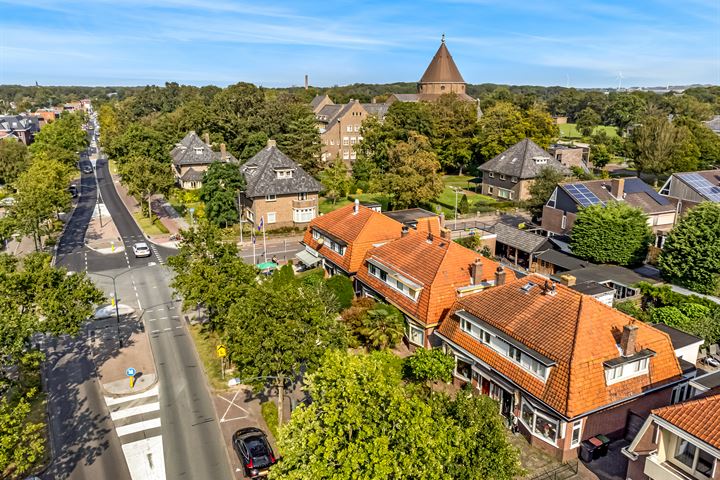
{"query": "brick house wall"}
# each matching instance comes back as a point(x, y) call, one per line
point(490, 186)
point(283, 207)
point(179, 171)
point(336, 140)
point(552, 220)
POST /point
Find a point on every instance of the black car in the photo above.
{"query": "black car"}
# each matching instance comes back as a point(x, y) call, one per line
point(87, 169)
point(254, 451)
point(73, 190)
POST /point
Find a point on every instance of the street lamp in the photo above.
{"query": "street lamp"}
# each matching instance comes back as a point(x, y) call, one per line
point(115, 298)
point(456, 190)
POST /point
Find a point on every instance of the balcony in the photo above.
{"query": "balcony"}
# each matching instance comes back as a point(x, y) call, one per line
point(310, 202)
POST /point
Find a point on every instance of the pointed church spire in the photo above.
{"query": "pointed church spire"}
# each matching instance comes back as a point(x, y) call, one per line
point(442, 68)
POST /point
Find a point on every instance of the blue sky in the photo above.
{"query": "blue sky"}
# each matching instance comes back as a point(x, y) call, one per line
point(582, 43)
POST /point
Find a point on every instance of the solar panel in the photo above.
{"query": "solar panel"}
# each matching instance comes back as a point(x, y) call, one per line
point(582, 194)
point(702, 185)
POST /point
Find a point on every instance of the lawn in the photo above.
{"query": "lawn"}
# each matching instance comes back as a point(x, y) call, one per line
point(151, 228)
point(205, 343)
point(568, 131)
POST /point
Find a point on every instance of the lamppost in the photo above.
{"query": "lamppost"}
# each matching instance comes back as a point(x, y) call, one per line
point(456, 190)
point(115, 298)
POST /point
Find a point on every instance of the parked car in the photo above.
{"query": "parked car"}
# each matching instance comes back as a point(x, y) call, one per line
point(73, 190)
point(141, 250)
point(87, 169)
point(254, 451)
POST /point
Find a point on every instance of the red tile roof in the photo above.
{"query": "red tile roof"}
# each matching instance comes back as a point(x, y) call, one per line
point(699, 417)
point(359, 230)
point(439, 265)
point(576, 331)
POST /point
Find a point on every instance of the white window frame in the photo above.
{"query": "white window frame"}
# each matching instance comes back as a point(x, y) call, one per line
point(349, 128)
point(692, 470)
point(502, 176)
point(576, 427)
point(302, 196)
point(457, 373)
point(627, 371)
point(563, 222)
point(271, 217)
point(514, 179)
point(413, 331)
point(491, 174)
point(271, 198)
point(537, 413)
point(303, 215)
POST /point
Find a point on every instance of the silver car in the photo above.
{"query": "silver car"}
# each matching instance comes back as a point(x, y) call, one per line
point(141, 250)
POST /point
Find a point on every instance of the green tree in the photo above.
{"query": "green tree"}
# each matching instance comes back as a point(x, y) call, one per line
point(302, 142)
point(587, 120)
point(541, 189)
point(342, 288)
point(210, 273)
point(276, 331)
point(464, 205)
point(63, 135)
point(613, 233)
point(14, 159)
point(500, 127)
point(336, 180)
point(691, 254)
point(146, 176)
point(660, 147)
point(705, 139)
point(454, 131)
point(222, 182)
point(624, 110)
point(413, 174)
point(23, 443)
point(540, 127)
point(382, 326)
point(429, 365)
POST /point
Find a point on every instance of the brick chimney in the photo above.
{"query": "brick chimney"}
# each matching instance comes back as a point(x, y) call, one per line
point(206, 136)
point(404, 231)
point(223, 152)
point(445, 233)
point(500, 276)
point(617, 188)
point(568, 280)
point(476, 270)
point(271, 143)
point(627, 341)
point(356, 207)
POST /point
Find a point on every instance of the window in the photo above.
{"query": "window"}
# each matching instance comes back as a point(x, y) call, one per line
point(353, 155)
point(302, 196)
point(692, 459)
point(346, 155)
point(627, 370)
point(539, 424)
point(563, 222)
point(349, 128)
point(514, 179)
point(463, 369)
point(270, 198)
point(514, 353)
point(356, 128)
point(284, 173)
point(491, 174)
point(416, 335)
point(346, 140)
point(316, 235)
point(490, 189)
point(576, 434)
point(271, 217)
point(332, 141)
point(303, 215)
point(502, 177)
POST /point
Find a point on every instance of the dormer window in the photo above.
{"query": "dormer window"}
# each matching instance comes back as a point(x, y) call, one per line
point(285, 173)
point(541, 160)
point(198, 150)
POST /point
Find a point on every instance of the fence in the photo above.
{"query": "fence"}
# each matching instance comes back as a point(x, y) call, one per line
point(561, 472)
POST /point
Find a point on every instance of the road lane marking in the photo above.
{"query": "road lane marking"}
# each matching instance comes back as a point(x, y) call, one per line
point(129, 412)
point(167, 329)
point(155, 331)
point(145, 459)
point(138, 427)
point(231, 405)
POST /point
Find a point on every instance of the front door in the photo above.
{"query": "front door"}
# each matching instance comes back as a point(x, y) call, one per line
point(506, 404)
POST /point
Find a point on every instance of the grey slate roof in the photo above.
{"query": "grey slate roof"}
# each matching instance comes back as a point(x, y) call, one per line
point(520, 239)
point(12, 123)
point(611, 273)
point(678, 338)
point(562, 260)
point(520, 161)
point(192, 175)
point(376, 109)
point(191, 150)
point(637, 194)
point(261, 176)
point(316, 101)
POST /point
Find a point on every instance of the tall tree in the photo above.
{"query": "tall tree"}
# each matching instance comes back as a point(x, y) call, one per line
point(454, 130)
point(23, 444)
point(276, 331)
point(14, 159)
point(301, 142)
point(541, 189)
point(691, 255)
point(611, 233)
point(658, 146)
point(587, 120)
point(146, 176)
point(413, 175)
point(222, 182)
point(382, 326)
point(336, 180)
point(500, 127)
point(63, 135)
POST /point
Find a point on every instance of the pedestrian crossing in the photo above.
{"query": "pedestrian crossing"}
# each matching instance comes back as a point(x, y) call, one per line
point(138, 426)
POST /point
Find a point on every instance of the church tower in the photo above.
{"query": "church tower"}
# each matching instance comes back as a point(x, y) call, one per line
point(442, 75)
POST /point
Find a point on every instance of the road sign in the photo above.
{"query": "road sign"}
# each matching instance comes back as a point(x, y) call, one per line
point(221, 351)
point(130, 372)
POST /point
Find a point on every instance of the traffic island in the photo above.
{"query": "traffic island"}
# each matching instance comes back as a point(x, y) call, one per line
point(102, 235)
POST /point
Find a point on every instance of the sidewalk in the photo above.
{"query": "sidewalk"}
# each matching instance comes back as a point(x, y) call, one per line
point(102, 235)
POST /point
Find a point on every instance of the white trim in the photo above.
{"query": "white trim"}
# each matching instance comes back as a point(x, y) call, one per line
point(576, 425)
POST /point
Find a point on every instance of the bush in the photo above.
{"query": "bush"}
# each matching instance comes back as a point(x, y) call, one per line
point(471, 241)
point(342, 287)
point(464, 205)
point(382, 327)
point(270, 414)
point(429, 365)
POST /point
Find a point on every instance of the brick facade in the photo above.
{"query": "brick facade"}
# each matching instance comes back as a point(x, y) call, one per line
point(283, 208)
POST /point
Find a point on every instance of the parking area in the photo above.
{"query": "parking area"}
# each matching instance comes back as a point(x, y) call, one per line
point(238, 408)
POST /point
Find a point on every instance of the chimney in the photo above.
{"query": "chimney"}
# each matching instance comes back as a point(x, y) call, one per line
point(306, 81)
point(442, 219)
point(429, 237)
point(476, 270)
point(206, 136)
point(404, 231)
point(627, 341)
point(617, 188)
point(271, 143)
point(500, 276)
point(568, 280)
point(223, 152)
point(356, 207)
point(549, 288)
point(445, 233)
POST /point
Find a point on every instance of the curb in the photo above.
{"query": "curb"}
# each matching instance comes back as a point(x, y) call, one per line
point(118, 249)
point(134, 392)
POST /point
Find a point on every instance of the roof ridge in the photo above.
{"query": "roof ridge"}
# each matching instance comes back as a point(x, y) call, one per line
point(713, 397)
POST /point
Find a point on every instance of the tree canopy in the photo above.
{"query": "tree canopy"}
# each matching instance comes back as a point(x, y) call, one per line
point(222, 182)
point(612, 233)
point(691, 254)
point(14, 159)
point(541, 189)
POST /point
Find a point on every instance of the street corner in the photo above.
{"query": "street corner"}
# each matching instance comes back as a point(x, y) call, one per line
point(118, 388)
point(106, 248)
point(237, 408)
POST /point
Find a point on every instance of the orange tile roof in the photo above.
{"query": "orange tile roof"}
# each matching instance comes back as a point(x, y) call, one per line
point(700, 417)
point(440, 266)
point(576, 331)
point(360, 231)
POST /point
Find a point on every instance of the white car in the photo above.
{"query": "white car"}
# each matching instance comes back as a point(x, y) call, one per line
point(141, 250)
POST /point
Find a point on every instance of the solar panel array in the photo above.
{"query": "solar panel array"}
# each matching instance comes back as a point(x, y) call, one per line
point(582, 194)
point(703, 186)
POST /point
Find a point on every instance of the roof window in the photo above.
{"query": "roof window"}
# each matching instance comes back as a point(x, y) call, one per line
point(527, 287)
point(541, 160)
point(198, 150)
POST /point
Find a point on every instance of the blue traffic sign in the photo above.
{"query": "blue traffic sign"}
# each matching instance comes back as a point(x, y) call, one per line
point(130, 372)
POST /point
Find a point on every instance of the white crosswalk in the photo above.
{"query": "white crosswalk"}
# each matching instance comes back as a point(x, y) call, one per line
point(137, 424)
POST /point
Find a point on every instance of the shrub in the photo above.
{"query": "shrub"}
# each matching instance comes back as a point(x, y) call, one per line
point(429, 365)
point(342, 287)
point(464, 205)
point(270, 413)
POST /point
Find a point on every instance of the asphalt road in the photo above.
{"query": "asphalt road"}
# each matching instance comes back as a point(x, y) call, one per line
point(86, 443)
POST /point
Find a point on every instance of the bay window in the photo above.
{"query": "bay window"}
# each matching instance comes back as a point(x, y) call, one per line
point(539, 424)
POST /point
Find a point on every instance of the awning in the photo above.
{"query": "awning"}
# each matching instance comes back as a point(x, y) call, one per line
point(307, 258)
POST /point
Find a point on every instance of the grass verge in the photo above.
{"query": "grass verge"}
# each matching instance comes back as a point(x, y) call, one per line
point(151, 228)
point(270, 415)
point(205, 344)
point(569, 131)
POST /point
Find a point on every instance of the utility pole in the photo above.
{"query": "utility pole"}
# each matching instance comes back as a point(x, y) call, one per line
point(455, 189)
